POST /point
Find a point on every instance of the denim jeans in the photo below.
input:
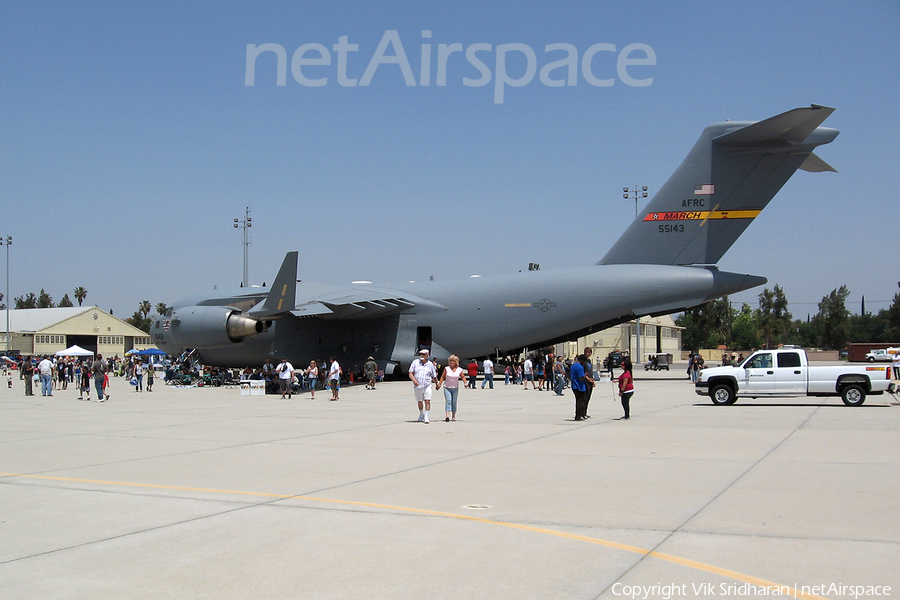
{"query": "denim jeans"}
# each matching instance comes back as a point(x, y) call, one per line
point(46, 385)
point(488, 378)
point(450, 397)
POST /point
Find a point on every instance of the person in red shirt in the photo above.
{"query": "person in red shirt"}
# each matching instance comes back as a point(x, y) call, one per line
point(472, 370)
point(626, 387)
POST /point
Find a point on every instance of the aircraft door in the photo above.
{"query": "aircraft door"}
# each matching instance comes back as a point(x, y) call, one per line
point(789, 374)
point(759, 375)
point(423, 338)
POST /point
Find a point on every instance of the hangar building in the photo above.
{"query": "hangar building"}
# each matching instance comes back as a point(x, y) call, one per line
point(48, 330)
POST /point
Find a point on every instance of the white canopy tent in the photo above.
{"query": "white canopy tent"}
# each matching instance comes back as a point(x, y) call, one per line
point(74, 351)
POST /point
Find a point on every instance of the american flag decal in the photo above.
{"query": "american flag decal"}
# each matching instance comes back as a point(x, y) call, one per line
point(707, 189)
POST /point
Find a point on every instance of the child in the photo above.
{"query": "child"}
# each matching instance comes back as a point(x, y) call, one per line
point(85, 383)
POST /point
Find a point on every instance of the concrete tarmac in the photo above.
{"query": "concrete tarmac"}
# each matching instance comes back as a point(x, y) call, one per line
point(204, 493)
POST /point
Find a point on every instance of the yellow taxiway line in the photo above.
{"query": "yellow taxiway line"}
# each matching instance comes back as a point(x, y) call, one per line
point(686, 562)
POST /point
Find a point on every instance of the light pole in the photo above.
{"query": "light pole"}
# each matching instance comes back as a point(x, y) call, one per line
point(245, 224)
point(635, 193)
point(7, 242)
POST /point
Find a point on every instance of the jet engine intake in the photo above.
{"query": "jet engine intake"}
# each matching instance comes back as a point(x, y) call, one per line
point(212, 326)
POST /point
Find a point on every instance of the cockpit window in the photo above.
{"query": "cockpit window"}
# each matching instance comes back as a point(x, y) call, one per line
point(760, 361)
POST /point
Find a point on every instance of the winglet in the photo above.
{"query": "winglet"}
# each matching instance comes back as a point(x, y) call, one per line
point(283, 293)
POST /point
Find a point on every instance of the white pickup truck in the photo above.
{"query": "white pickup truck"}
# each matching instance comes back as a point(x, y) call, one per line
point(786, 373)
point(886, 354)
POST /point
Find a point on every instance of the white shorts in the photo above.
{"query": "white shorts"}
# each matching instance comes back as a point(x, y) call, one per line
point(423, 394)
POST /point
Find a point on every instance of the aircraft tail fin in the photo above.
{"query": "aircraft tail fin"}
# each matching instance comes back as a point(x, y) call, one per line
point(729, 176)
point(283, 293)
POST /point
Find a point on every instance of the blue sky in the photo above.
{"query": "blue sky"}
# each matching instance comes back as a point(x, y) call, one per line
point(131, 142)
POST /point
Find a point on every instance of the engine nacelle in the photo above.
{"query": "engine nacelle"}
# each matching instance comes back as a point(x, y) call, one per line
point(212, 326)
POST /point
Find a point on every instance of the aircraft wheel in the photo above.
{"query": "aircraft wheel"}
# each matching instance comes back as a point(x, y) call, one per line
point(723, 395)
point(853, 395)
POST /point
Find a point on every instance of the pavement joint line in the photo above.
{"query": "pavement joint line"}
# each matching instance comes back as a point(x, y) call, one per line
point(309, 436)
point(643, 552)
point(681, 528)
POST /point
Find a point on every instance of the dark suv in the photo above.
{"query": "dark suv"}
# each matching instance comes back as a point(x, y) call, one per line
point(613, 360)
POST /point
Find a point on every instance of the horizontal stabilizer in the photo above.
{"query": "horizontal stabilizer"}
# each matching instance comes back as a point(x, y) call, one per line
point(793, 126)
point(814, 164)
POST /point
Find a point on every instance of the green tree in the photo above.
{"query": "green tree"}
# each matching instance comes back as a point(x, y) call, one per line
point(44, 300)
point(66, 302)
point(161, 308)
point(80, 294)
point(745, 333)
point(145, 308)
point(892, 315)
point(28, 301)
point(140, 321)
point(807, 333)
point(772, 316)
point(869, 327)
point(2, 306)
point(833, 319)
point(707, 325)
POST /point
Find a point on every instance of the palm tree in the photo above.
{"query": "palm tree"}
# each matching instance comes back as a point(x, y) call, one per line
point(161, 308)
point(145, 308)
point(80, 294)
point(44, 300)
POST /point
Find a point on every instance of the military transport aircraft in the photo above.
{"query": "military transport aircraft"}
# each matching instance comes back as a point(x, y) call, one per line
point(663, 263)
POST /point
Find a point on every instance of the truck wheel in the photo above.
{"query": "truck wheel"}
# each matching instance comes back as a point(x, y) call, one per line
point(871, 359)
point(723, 395)
point(853, 395)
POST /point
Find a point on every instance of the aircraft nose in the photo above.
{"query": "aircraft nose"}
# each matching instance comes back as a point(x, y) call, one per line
point(162, 338)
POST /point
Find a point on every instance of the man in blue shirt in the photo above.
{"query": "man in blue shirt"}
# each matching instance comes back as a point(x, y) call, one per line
point(579, 385)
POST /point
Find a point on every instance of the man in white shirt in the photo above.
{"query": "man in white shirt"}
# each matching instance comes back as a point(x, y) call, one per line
point(285, 372)
point(488, 373)
point(45, 368)
point(422, 373)
point(528, 369)
point(334, 378)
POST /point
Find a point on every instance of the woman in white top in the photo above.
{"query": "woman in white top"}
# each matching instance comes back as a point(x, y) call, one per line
point(312, 376)
point(450, 380)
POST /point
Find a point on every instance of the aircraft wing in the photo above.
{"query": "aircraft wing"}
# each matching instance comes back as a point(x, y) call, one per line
point(332, 302)
point(362, 303)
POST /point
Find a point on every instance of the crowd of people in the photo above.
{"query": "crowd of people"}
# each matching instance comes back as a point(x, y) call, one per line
point(537, 372)
point(545, 372)
point(52, 373)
